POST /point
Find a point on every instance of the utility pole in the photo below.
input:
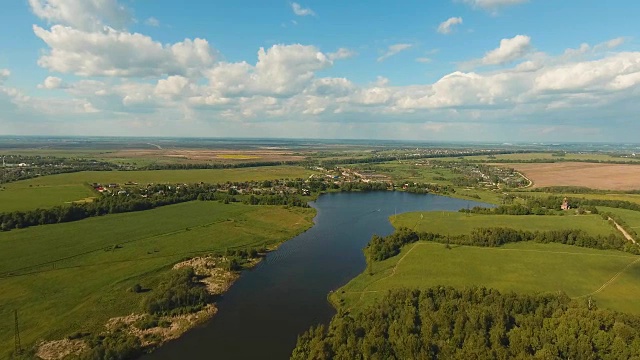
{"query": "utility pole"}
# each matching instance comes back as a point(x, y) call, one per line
point(18, 348)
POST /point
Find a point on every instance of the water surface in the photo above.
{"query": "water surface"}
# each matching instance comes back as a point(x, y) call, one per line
point(262, 314)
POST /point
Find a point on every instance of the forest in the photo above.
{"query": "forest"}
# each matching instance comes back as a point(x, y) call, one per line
point(474, 323)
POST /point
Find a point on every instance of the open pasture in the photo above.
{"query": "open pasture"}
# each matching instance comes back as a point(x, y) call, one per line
point(521, 267)
point(75, 276)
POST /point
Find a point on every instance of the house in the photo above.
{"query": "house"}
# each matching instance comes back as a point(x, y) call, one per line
point(565, 204)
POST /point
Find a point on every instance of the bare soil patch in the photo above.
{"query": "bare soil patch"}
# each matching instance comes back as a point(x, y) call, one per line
point(591, 175)
point(59, 349)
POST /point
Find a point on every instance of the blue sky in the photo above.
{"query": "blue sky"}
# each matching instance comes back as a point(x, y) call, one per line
point(494, 70)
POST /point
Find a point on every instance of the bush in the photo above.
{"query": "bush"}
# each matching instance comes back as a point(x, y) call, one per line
point(146, 322)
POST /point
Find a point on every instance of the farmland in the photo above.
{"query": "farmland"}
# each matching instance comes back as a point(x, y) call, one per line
point(549, 156)
point(48, 191)
point(460, 223)
point(84, 285)
point(523, 267)
point(595, 176)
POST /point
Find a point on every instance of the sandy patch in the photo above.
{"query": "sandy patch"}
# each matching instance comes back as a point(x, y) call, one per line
point(58, 349)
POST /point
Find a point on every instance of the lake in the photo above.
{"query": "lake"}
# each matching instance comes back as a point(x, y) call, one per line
point(262, 314)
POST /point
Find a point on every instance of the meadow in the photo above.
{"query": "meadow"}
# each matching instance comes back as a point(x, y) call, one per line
point(520, 267)
point(611, 278)
point(48, 191)
point(73, 277)
point(455, 223)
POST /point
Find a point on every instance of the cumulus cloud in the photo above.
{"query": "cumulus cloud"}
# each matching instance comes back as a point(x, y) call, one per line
point(86, 15)
point(394, 50)
point(342, 53)
point(446, 26)
point(110, 52)
point(52, 82)
point(492, 5)
point(280, 70)
point(508, 51)
point(300, 11)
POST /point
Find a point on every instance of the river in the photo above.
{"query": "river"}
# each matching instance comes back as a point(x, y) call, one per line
point(262, 314)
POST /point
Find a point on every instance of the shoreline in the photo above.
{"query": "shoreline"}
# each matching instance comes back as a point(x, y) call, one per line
point(217, 280)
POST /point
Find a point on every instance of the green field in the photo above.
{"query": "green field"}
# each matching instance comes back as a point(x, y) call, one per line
point(454, 223)
point(48, 191)
point(521, 267)
point(56, 298)
point(604, 196)
point(524, 267)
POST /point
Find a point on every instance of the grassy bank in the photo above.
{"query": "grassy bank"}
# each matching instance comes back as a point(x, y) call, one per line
point(80, 293)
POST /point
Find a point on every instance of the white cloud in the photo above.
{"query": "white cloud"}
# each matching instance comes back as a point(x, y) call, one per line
point(342, 53)
point(446, 26)
point(619, 71)
point(52, 82)
point(83, 14)
point(152, 22)
point(508, 51)
point(300, 11)
point(115, 53)
point(173, 87)
point(423, 60)
point(393, 50)
point(4, 75)
point(493, 4)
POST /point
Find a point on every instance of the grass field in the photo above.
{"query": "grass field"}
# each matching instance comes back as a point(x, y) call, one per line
point(454, 223)
point(522, 267)
point(613, 196)
point(632, 218)
point(48, 191)
point(56, 298)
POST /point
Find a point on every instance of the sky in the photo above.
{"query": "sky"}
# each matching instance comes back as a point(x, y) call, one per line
point(438, 70)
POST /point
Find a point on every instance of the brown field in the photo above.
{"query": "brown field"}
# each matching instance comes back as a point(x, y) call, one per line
point(204, 155)
point(595, 176)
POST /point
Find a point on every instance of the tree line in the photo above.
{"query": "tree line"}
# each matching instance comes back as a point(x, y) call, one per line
point(381, 248)
point(473, 323)
point(122, 204)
